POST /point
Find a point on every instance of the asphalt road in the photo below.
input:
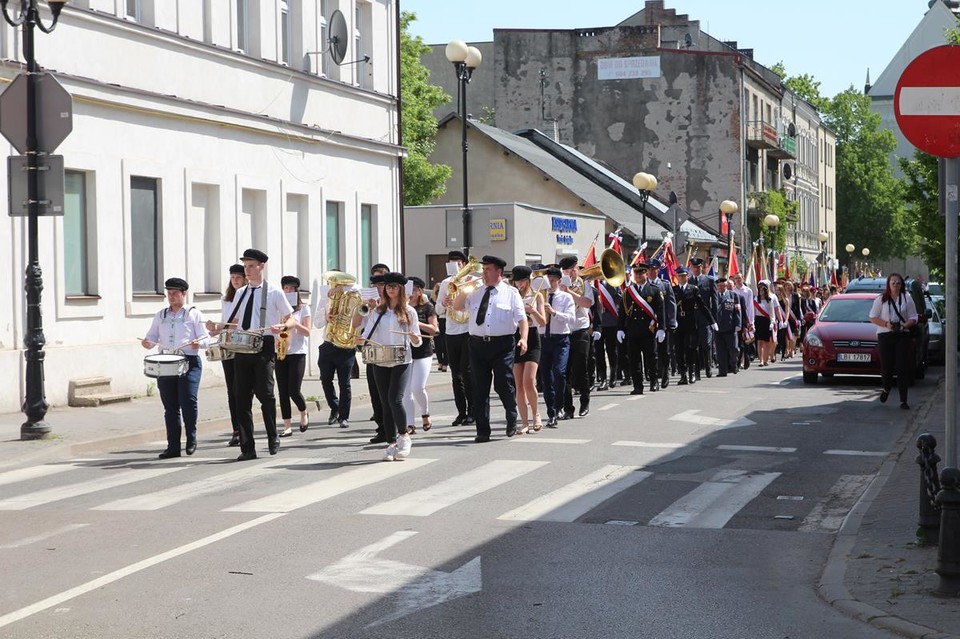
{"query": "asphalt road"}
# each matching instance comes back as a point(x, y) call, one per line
point(699, 511)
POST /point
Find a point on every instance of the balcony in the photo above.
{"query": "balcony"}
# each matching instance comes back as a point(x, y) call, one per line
point(786, 148)
point(761, 135)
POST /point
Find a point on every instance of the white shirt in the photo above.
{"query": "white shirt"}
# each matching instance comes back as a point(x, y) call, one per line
point(172, 331)
point(298, 341)
point(582, 315)
point(886, 312)
point(277, 305)
point(770, 306)
point(564, 313)
point(453, 328)
point(504, 311)
point(389, 331)
point(747, 295)
point(323, 303)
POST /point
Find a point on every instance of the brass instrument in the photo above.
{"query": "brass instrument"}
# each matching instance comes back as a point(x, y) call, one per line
point(463, 283)
point(610, 267)
point(283, 343)
point(342, 306)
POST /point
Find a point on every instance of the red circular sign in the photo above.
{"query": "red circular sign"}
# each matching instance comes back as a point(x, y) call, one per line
point(927, 101)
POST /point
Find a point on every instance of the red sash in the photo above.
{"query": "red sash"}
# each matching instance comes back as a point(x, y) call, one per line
point(606, 299)
point(642, 303)
point(761, 310)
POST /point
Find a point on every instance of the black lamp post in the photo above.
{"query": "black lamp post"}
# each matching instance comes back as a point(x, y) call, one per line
point(645, 184)
point(35, 404)
point(465, 59)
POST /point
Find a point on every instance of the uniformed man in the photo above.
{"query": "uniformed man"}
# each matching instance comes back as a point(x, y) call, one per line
point(555, 345)
point(711, 299)
point(729, 323)
point(641, 325)
point(691, 313)
point(607, 351)
point(746, 293)
point(669, 314)
point(581, 335)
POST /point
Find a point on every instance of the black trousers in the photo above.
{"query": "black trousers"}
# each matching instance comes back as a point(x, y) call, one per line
point(493, 361)
point(727, 351)
point(227, 365)
point(340, 361)
point(253, 376)
point(289, 372)
point(440, 342)
point(375, 399)
point(458, 357)
point(643, 356)
point(663, 356)
point(391, 383)
point(705, 347)
point(578, 374)
point(895, 358)
point(686, 347)
point(606, 353)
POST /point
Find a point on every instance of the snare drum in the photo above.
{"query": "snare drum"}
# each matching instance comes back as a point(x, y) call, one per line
point(165, 365)
point(217, 353)
point(241, 341)
point(383, 354)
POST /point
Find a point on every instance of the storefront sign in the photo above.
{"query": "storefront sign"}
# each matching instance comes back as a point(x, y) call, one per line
point(564, 227)
point(498, 229)
point(628, 68)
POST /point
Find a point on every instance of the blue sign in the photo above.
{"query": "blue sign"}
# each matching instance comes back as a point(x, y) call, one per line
point(565, 239)
point(563, 225)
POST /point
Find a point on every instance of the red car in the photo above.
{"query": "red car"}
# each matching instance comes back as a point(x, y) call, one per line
point(842, 340)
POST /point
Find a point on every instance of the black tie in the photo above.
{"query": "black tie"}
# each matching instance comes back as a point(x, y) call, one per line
point(549, 320)
point(482, 310)
point(248, 311)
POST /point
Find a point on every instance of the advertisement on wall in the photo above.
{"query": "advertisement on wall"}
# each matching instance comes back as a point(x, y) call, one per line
point(628, 68)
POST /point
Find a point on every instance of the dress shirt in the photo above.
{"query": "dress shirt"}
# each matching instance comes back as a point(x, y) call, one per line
point(277, 305)
point(582, 315)
point(563, 316)
point(390, 332)
point(885, 311)
point(770, 306)
point(504, 311)
point(172, 331)
point(298, 341)
point(455, 328)
point(747, 294)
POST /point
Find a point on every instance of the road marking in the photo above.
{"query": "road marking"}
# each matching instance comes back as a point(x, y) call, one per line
point(790, 378)
point(338, 484)
point(692, 417)
point(609, 406)
point(713, 503)
point(757, 449)
point(204, 486)
point(930, 101)
point(32, 472)
point(829, 513)
point(426, 501)
point(707, 392)
point(857, 453)
point(574, 500)
point(648, 444)
point(119, 477)
point(551, 440)
point(634, 398)
point(116, 575)
point(47, 535)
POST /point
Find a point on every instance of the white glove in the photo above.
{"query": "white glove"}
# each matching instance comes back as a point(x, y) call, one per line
point(661, 335)
point(715, 327)
point(783, 324)
point(620, 336)
point(596, 335)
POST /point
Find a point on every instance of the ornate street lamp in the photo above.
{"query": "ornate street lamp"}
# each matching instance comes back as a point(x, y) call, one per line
point(35, 403)
point(727, 209)
point(465, 59)
point(771, 221)
point(850, 249)
point(645, 183)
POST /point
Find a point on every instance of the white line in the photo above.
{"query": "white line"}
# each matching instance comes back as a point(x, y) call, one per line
point(578, 498)
point(33, 472)
point(551, 440)
point(634, 398)
point(829, 513)
point(118, 477)
point(692, 417)
point(47, 535)
point(857, 453)
point(930, 101)
point(116, 575)
point(204, 486)
point(608, 406)
point(648, 444)
point(713, 503)
point(429, 500)
point(758, 449)
point(328, 488)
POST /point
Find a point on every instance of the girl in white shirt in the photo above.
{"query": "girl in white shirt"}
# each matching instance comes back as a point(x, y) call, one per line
point(290, 369)
point(894, 313)
point(237, 281)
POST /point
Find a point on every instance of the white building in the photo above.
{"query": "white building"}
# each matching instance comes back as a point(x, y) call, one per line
point(201, 128)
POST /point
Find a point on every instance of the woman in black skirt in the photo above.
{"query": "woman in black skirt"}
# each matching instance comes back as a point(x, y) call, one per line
point(525, 365)
point(766, 322)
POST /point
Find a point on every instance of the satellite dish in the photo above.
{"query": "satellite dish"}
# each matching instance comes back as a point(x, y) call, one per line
point(338, 36)
point(792, 130)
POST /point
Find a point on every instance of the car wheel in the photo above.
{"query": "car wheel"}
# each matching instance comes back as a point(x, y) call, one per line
point(809, 378)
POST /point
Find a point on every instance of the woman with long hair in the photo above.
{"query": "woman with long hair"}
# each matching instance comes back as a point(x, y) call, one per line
point(894, 314)
point(237, 281)
point(525, 365)
point(422, 359)
point(766, 323)
point(393, 323)
point(290, 369)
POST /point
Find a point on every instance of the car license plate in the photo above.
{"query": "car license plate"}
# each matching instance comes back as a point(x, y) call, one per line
point(853, 357)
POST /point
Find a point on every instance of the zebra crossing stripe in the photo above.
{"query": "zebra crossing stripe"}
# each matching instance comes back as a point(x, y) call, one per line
point(578, 498)
point(714, 503)
point(33, 472)
point(120, 477)
point(426, 501)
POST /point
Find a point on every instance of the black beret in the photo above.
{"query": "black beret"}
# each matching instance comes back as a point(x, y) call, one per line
point(290, 280)
point(419, 283)
point(379, 267)
point(456, 255)
point(236, 269)
point(520, 272)
point(394, 278)
point(696, 261)
point(640, 266)
point(254, 254)
point(554, 271)
point(682, 271)
point(376, 279)
point(176, 284)
point(493, 259)
point(721, 280)
point(568, 262)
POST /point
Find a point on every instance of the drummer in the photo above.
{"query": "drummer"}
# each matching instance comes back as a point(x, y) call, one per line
point(179, 330)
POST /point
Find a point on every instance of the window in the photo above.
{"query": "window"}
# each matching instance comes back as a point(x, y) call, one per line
point(203, 239)
point(334, 217)
point(367, 233)
point(242, 20)
point(133, 9)
point(296, 236)
point(363, 29)
point(322, 31)
point(285, 37)
point(76, 255)
point(145, 234)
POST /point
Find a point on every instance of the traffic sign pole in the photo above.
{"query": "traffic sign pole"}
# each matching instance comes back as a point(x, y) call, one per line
point(949, 182)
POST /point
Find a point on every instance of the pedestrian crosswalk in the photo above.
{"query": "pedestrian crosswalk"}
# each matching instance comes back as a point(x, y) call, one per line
point(523, 489)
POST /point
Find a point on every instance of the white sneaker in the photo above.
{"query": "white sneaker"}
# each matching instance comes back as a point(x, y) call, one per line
point(404, 444)
point(391, 453)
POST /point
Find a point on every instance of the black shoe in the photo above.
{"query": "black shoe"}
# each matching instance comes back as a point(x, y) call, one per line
point(459, 420)
point(721, 374)
point(698, 377)
point(468, 420)
point(379, 439)
point(167, 454)
point(191, 446)
point(235, 440)
point(584, 410)
point(683, 381)
point(274, 446)
point(883, 396)
point(333, 419)
point(709, 373)
point(567, 414)
point(904, 406)
point(511, 430)
point(637, 391)
point(664, 382)
point(653, 387)
point(553, 422)
point(246, 456)
point(481, 439)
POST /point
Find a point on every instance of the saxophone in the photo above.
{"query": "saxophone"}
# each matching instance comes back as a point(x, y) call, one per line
point(342, 307)
point(283, 343)
point(466, 281)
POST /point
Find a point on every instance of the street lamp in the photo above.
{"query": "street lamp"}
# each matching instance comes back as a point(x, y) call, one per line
point(850, 249)
point(771, 221)
point(645, 183)
point(35, 403)
point(465, 59)
point(728, 208)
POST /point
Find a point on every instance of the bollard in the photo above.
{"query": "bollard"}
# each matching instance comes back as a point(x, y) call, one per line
point(928, 518)
point(948, 554)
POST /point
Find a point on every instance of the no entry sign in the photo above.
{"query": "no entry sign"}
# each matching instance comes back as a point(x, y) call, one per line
point(927, 101)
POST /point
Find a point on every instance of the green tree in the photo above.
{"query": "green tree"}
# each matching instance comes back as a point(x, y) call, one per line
point(422, 181)
point(805, 86)
point(921, 196)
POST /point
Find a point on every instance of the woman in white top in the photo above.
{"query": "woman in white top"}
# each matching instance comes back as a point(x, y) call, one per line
point(237, 281)
point(895, 314)
point(393, 323)
point(290, 369)
point(766, 322)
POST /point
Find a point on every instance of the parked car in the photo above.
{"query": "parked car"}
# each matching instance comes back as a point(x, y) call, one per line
point(844, 341)
point(937, 324)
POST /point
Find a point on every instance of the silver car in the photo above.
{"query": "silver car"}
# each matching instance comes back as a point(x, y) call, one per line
point(935, 349)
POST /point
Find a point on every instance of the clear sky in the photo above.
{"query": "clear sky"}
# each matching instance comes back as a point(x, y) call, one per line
point(835, 41)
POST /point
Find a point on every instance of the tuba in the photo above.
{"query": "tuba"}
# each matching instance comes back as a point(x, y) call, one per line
point(466, 281)
point(610, 268)
point(343, 305)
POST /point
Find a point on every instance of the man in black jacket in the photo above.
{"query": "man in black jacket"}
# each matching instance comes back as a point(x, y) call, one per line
point(641, 324)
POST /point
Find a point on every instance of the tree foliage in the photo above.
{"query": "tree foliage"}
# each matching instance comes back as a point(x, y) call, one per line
point(921, 196)
point(805, 86)
point(775, 202)
point(422, 181)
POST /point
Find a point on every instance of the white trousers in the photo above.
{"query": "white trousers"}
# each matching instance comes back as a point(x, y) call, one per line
point(417, 390)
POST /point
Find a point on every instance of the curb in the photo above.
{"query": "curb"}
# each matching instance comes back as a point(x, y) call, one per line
point(831, 587)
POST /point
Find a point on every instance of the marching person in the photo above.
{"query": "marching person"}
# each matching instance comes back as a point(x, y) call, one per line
point(291, 367)
point(729, 323)
point(237, 281)
point(607, 352)
point(670, 318)
point(422, 358)
point(581, 336)
point(458, 347)
point(377, 273)
point(894, 313)
point(711, 299)
point(767, 322)
point(691, 313)
point(335, 358)
point(181, 330)
point(641, 323)
point(495, 312)
point(526, 365)
point(746, 294)
point(559, 315)
point(392, 323)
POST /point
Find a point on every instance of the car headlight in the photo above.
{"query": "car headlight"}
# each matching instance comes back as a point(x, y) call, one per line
point(814, 341)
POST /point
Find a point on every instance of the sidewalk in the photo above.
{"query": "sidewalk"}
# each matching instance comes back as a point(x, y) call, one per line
point(876, 572)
